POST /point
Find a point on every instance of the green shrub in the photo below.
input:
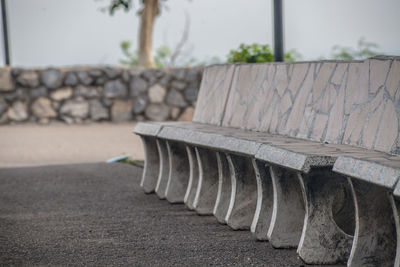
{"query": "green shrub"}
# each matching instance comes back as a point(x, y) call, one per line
point(364, 50)
point(131, 59)
point(256, 53)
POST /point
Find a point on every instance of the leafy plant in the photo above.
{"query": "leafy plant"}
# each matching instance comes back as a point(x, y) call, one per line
point(364, 50)
point(131, 59)
point(292, 55)
point(253, 53)
point(119, 4)
point(256, 53)
point(161, 57)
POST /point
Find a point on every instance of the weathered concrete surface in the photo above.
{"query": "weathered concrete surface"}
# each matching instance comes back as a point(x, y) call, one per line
point(375, 233)
point(56, 143)
point(147, 128)
point(191, 190)
point(288, 209)
point(263, 214)
point(151, 164)
point(395, 202)
point(224, 188)
point(96, 214)
point(163, 174)
point(380, 171)
point(328, 229)
point(207, 187)
point(179, 172)
point(242, 205)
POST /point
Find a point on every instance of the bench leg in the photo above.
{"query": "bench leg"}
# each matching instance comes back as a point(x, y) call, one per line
point(329, 222)
point(396, 214)
point(262, 216)
point(193, 178)
point(224, 188)
point(288, 209)
point(179, 172)
point(151, 164)
point(164, 168)
point(375, 236)
point(207, 187)
point(243, 201)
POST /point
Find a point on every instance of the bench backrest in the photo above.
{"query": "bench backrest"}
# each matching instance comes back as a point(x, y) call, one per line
point(355, 103)
point(213, 94)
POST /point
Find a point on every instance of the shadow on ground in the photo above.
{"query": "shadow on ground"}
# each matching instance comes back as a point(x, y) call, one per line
point(96, 214)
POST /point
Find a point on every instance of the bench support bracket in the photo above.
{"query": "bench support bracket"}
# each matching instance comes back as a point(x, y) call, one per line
point(207, 187)
point(193, 178)
point(329, 215)
point(243, 201)
point(288, 210)
point(179, 172)
point(375, 235)
point(263, 214)
point(164, 168)
point(224, 188)
point(151, 164)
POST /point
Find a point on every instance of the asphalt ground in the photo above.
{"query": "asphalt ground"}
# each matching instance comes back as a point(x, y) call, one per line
point(96, 214)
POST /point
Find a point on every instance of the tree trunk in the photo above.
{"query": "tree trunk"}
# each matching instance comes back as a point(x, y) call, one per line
point(148, 15)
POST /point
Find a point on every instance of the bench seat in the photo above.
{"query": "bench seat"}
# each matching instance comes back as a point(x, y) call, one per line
point(377, 168)
point(298, 154)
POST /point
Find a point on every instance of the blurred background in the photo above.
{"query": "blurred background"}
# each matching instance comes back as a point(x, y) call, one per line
point(60, 33)
point(82, 73)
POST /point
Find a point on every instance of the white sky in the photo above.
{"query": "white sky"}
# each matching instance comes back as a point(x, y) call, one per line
point(69, 32)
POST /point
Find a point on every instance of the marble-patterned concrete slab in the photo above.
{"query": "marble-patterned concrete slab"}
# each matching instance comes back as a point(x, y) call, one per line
point(336, 102)
point(250, 82)
point(213, 93)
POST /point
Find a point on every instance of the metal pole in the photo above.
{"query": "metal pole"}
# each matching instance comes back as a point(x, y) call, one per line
point(278, 31)
point(5, 32)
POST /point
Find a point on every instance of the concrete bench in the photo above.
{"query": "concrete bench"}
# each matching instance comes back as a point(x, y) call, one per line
point(303, 154)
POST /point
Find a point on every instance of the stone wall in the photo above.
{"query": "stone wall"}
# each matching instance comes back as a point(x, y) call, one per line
point(84, 94)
